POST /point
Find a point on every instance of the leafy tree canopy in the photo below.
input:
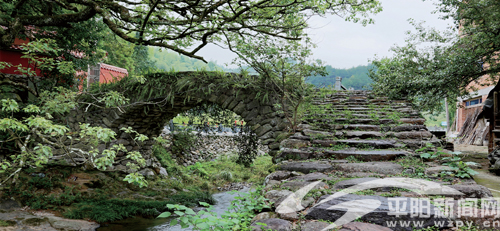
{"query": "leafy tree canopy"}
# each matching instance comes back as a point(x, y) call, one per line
point(454, 59)
point(181, 26)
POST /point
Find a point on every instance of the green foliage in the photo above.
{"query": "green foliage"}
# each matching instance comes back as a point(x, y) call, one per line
point(237, 217)
point(460, 168)
point(40, 120)
point(182, 141)
point(465, 53)
point(284, 67)
point(117, 209)
point(210, 173)
point(410, 162)
point(167, 61)
point(247, 142)
point(7, 223)
point(352, 159)
point(185, 29)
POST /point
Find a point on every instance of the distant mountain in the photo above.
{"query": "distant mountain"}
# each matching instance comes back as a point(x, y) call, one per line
point(355, 77)
point(168, 60)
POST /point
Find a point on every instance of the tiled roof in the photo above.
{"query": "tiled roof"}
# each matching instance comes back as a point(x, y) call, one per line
point(113, 68)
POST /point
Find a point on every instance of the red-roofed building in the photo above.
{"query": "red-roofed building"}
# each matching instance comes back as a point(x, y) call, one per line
point(105, 73)
point(13, 56)
point(101, 73)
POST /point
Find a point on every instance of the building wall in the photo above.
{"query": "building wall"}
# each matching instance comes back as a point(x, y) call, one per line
point(109, 73)
point(14, 57)
point(479, 89)
point(463, 111)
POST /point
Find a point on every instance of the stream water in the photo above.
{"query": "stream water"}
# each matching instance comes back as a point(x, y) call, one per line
point(488, 180)
point(142, 224)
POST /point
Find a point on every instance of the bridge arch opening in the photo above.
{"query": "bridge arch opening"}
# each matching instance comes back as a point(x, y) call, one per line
point(148, 113)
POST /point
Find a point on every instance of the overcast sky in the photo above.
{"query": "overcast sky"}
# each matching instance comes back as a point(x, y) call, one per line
point(344, 44)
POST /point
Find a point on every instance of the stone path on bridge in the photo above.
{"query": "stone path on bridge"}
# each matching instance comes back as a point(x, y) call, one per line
point(348, 138)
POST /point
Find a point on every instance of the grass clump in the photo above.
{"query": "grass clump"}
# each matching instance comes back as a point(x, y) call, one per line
point(195, 176)
point(7, 223)
point(116, 209)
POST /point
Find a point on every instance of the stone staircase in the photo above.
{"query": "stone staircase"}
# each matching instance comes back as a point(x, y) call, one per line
point(350, 138)
point(358, 124)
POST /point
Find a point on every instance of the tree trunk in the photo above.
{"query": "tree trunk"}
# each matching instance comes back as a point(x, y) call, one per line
point(447, 115)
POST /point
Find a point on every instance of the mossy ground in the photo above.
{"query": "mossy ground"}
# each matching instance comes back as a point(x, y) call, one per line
point(104, 196)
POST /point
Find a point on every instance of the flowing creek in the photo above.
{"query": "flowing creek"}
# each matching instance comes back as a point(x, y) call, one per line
point(488, 180)
point(223, 200)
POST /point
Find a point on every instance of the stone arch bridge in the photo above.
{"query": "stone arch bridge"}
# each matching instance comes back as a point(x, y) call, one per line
point(164, 96)
point(343, 121)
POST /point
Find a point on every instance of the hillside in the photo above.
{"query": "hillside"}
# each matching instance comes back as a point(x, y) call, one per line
point(355, 77)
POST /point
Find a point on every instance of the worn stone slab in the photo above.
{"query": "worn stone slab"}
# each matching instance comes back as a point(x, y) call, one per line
point(437, 170)
point(295, 143)
point(295, 154)
point(314, 226)
point(362, 174)
point(387, 168)
point(385, 155)
point(417, 143)
point(278, 175)
point(360, 226)
point(382, 144)
point(276, 196)
point(70, 224)
point(348, 183)
point(296, 185)
point(363, 134)
point(264, 215)
point(315, 176)
point(274, 224)
point(363, 127)
point(367, 121)
point(301, 127)
point(309, 132)
point(299, 136)
point(472, 191)
point(9, 204)
point(408, 127)
point(380, 215)
point(416, 121)
point(411, 135)
point(306, 167)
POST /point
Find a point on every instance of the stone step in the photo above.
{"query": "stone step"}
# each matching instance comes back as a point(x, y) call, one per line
point(349, 102)
point(336, 112)
point(363, 127)
point(372, 108)
point(413, 121)
point(323, 153)
point(356, 181)
point(360, 115)
point(306, 167)
point(386, 168)
point(416, 143)
point(380, 210)
point(378, 144)
point(354, 121)
point(386, 155)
